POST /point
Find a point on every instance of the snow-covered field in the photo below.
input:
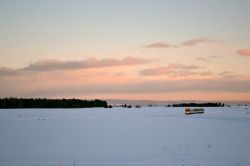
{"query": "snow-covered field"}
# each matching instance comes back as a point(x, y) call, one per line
point(156, 136)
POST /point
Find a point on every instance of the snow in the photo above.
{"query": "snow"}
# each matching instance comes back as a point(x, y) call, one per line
point(155, 136)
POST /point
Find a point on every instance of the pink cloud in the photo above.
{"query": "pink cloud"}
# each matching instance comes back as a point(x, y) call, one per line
point(225, 73)
point(103, 82)
point(156, 71)
point(174, 69)
point(214, 56)
point(228, 74)
point(197, 41)
point(53, 86)
point(181, 66)
point(159, 45)
point(206, 73)
point(244, 52)
point(7, 71)
point(49, 65)
point(203, 59)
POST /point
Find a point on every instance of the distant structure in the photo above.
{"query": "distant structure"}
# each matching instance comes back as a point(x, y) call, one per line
point(189, 111)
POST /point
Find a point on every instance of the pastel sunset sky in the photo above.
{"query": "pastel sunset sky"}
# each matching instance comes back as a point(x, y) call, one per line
point(125, 49)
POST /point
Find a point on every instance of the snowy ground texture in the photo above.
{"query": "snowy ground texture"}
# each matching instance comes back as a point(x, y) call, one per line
point(156, 136)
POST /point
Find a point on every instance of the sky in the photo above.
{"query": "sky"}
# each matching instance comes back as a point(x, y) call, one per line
point(125, 49)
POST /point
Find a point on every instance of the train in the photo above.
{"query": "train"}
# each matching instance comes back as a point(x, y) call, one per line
point(189, 111)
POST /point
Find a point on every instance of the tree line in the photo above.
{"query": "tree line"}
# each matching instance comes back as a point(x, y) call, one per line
point(199, 105)
point(50, 103)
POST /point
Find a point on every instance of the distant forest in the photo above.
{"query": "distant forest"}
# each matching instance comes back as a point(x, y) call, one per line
point(50, 103)
point(199, 105)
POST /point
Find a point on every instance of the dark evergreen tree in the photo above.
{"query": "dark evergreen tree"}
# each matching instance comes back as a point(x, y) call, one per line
point(50, 103)
point(199, 105)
